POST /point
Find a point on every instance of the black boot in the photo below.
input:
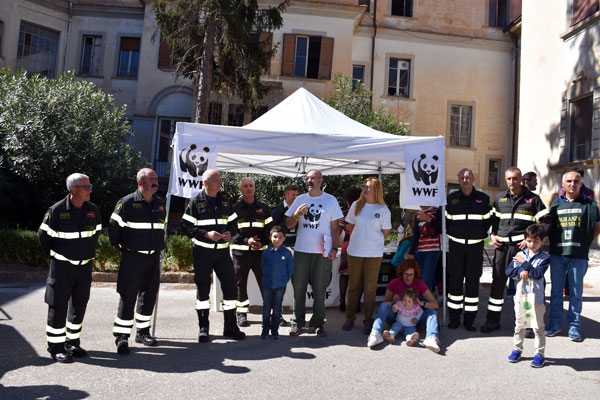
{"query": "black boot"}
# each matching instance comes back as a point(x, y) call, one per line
point(230, 328)
point(59, 353)
point(143, 336)
point(242, 319)
point(203, 336)
point(74, 348)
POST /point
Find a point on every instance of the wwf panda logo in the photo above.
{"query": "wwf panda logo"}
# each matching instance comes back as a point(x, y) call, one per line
point(425, 169)
point(194, 161)
point(314, 213)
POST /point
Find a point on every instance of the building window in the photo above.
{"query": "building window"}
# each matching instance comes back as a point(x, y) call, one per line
point(258, 111)
point(307, 56)
point(358, 75)
point(215, 112)
point(498, 13)
point(91, 55)
point(402, 8)
point(580, 129)
point(166, 129)
point(37, 50)
point(235, 116)
point(460, 125)
point(129, 57)
point(399, 78)
point(494, 169)
point(165, 56)
point(583, 9)
point(1, 35)
point(365, 3)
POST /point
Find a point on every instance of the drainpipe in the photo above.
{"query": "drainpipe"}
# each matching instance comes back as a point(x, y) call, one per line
point(373, 47)
point(68, 35)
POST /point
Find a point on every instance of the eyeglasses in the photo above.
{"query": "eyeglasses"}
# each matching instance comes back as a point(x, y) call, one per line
point(86, 187)
point(406, 274)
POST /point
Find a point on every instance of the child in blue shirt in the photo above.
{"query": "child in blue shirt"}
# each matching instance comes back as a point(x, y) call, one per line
point(527, 269)
point(277, 268)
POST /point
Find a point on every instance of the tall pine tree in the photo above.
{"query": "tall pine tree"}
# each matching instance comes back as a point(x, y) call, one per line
point(220, 45)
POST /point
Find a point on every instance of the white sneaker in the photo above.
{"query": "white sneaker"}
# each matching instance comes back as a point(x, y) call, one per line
point(374, 339)
point(412, 339)
point(432, 343)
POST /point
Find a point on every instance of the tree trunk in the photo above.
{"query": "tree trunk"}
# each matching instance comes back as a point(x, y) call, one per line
point(204, 83)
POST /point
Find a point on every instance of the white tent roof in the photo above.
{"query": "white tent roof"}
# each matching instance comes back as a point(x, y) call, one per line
point(303, 133)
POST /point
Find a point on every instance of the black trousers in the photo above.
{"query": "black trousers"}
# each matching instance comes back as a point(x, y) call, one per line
point(207, 260)
point(67, 295)
point(138, 281)
point(242, 265)
point(502, 258)
point(464, 265)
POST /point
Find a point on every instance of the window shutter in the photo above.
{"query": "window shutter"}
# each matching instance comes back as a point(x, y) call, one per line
point(583, 9)
point(165, 56)
point(266, 41)
point(128, 43)
point(289, 53)
point(326, 58)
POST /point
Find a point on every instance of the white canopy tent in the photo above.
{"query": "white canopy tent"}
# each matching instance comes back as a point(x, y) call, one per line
point(299, 134)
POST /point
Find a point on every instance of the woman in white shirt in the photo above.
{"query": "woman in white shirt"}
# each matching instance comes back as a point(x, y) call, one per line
point(369, 221)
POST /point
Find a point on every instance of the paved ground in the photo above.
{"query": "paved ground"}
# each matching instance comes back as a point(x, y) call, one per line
point(471, 365)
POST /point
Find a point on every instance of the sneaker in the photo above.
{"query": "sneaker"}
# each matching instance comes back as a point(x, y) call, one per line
point(514, 356)
point(294, 330)
point(348, 325)
point(387, 335)
point(574, 334)
point(374, 339)
point(550, 332)
point(414, 338)
point(490, 326)
point(367, 328)
point(122, 345)
point(432, 343)
point(321, 331)
point(538, 361)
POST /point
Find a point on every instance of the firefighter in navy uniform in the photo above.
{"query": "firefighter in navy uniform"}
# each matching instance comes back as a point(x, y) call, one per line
point(254, 223)
point(514, 210)
point(69, 234)
point(137, 230)
point(210, 221)
point(468, 216)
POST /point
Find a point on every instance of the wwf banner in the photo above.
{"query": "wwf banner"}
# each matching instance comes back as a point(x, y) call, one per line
point(191, 157)
point(423, 183)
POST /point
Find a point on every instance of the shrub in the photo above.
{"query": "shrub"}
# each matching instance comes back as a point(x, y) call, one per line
point(178, 254)
point(107, 257)
point(19, 246)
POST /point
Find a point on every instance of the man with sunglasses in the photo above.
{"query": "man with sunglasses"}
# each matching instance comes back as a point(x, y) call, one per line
point(137, 229)
point(69, 234)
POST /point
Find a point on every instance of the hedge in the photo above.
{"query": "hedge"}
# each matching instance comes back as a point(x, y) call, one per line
point(18, 246)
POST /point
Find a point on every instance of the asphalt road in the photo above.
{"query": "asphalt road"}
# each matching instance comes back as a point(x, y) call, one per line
point(470, 365)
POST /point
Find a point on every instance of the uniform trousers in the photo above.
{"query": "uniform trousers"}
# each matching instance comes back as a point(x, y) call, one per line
point(242, 265)
point(219, 260)
point(67, 294)
point(502, 257)
point(465, 263)
point(138, 280)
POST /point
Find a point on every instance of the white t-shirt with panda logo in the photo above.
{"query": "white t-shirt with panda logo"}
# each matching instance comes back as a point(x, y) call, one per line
point(367, 239)
point(316, 223)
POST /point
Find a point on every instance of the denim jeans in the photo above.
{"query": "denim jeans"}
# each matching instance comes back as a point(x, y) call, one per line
point(272, 299)
point(428, 261)
point(428, 320)
point(562, 268)
point(397, 328)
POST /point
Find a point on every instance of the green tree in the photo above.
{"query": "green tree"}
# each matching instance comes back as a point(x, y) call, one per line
point(50, 128)
point(219, 46)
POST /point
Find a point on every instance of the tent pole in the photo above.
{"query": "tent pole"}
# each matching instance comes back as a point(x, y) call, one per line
point(162, 253)
point(444, 241)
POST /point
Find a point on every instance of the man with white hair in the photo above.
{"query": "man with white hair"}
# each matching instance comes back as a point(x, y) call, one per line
point(575, 223)
point(137, 230)
point(69, 234)
point(254, 223)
